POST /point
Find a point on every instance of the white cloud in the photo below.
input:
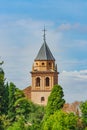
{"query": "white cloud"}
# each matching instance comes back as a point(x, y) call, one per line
point(77, 27)
point(68, 26)
point(74, 84)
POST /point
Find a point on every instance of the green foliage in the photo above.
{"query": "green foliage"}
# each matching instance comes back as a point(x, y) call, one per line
point(1, 124)
point(84, 112)
point(71, 121)
point(61, 121)
point(36, 116)
point(19, 125)
point(55, 100)
point(6, 93)
point(2, 92)
point(18, 94)
point(29, 114)
point(11, 111)
point(4, 122)
point(1, 75)
point(22, 107)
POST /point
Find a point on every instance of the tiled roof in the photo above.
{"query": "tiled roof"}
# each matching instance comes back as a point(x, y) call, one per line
point(27, 92)
point(44, 53)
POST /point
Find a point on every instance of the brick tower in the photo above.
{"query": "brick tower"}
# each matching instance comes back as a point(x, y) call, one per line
point(44, 74)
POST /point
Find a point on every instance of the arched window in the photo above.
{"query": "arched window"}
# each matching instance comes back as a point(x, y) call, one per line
point(42, 99)
point(37, 81)
point(47, 81)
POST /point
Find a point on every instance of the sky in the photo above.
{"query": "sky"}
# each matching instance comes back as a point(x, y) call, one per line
point(21, 36)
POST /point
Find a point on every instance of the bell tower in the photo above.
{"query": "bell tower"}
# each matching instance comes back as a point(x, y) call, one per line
point(44, 74)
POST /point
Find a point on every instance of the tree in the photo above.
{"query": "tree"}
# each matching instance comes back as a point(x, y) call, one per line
point(55, 100)
point(61, 121)
point(16, 100)
point(11, 111)
point(22, 107)
point(84, 112)
point(18, 94)
point(36, 116)
point(4, 122)
point(6, 98)
point(1, 124)
point(32, 113)
point(2, 92)
point(18, 125)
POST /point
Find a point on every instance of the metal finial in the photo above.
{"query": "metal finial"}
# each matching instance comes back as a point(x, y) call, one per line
point(44, 36)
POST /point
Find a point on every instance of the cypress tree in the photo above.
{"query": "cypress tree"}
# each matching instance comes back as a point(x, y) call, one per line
point(2, 91)
point(11, 108)
point(55, 100)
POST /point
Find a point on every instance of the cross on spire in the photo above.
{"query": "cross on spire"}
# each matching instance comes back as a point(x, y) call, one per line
point(44, 36)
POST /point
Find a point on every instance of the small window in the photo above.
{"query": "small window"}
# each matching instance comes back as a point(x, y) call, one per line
point(42, 99)
point(50, 64)
point(42, 63)
point(36, 63)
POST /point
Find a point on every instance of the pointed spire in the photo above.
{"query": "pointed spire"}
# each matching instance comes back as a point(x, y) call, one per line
point(44, 52)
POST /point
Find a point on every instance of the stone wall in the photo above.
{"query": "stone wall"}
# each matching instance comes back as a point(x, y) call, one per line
point(40, 97)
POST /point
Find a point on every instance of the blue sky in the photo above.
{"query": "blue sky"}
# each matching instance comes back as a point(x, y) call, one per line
point(21, 36)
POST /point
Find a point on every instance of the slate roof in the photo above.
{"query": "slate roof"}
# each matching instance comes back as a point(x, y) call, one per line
point(44, 53)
